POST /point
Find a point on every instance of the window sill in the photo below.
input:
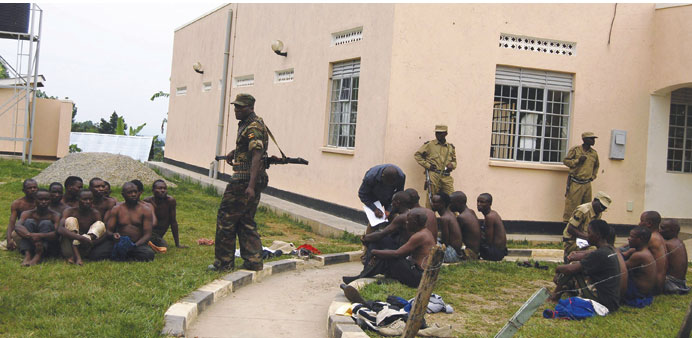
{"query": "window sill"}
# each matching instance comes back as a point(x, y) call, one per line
point(343, 151)
point(528, 165)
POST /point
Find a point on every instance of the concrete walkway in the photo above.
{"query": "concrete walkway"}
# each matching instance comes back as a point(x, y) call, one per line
point(290, 304)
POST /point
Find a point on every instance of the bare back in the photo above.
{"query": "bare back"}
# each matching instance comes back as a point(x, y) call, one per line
point(431, 223)
point(470, 229)
point(451, 232)
point(642, 269)
point(495, 230)
point(657, 246)
point(421, 241)
point(623, 274)
point(677, 258)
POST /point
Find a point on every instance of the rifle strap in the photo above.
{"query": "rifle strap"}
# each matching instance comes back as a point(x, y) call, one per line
point(283, 156)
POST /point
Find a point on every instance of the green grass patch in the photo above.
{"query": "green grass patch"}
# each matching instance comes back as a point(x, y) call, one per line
point(113, 299)
point(526, 244)
point(485, 295)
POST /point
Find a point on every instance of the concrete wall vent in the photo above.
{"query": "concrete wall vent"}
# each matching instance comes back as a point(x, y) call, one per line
point(281, 76)
point(540, 45)
point(347, 36)
point(244, 81)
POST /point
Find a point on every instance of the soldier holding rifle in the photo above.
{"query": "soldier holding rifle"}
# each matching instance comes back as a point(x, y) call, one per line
point(439, 158)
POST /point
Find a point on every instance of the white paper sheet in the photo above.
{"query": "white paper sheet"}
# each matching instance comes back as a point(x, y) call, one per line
point(582, 243)
point(371, 214)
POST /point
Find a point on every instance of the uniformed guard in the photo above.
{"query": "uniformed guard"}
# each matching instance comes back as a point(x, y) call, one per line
point(439, 158)
point(239, 204)
point(583, 165)
point(578, 224)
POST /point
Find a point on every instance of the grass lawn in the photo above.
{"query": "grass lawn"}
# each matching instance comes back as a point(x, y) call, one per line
point(485, 295)
point(112, 299)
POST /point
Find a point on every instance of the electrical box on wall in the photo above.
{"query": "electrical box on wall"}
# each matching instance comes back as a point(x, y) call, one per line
point(618, 139)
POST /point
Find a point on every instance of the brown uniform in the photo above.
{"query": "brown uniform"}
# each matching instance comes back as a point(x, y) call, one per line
point(579, 178)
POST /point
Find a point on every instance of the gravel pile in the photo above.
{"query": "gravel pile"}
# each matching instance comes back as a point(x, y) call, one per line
point(116, 169)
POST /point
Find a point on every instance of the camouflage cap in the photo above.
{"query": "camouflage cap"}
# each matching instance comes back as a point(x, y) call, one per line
point(604, 199)
point(588, 134)
point(244, 100)
point(440, 128)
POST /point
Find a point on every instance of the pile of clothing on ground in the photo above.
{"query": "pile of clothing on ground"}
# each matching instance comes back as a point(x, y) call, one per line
point(389, 318)
point(279, 248)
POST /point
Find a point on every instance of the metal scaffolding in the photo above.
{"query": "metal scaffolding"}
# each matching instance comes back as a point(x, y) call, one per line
point(23, 80)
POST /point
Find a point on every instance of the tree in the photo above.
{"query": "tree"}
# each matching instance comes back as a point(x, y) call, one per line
point(110, 126)
point(134, 132)
point(156, 151)
point(84, 127)
point(3, 72)
point(43, 95)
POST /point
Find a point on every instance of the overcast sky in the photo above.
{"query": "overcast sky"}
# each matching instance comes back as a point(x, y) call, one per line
point(110, 57)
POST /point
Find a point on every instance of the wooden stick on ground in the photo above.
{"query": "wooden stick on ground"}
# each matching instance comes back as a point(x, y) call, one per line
point(425, 288)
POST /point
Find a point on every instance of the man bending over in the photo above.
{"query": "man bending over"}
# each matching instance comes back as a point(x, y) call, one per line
point(470, 227)
point(165, 210)
point(131, 224)
point(642, 269)
point(600, 266)
point(451, 233)
point(493, 236)
point(37, 229)
point(82, 232)
point(677, 258)
point(17, 207)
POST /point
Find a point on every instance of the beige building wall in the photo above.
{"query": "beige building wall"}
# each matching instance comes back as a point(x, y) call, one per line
point(668, 192)
point(51, 130)
point(427, 64)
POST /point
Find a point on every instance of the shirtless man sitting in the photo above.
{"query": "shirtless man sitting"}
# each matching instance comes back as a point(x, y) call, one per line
point(73, 187)
point(493, 236)
point(657, 246)
point(131, 224)
point(102, 203)
point(641, 266)
point(470, 227)
point(37, 229)
point(82, 232)
point(431, 223)
point(407, 263)
point(451, 232)
point(56, 204)
point(18, 206)
point(165, 211)
point(394, 234)
point(677, 258)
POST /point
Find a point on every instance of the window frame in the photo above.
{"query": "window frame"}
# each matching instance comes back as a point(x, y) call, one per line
point(540, 141)
point(335, 141)
point(687, 115)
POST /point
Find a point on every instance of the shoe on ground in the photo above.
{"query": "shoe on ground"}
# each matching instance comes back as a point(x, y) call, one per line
point(213, 267)
point(352, 294)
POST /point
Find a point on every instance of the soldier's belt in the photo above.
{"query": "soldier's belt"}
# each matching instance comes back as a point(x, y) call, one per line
point(578, 181)
point(441, 172)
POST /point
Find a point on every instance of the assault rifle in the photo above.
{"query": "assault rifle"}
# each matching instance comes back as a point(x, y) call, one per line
point(269, 160)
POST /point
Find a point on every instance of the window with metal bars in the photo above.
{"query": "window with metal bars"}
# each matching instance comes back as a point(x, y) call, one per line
point(344, 104)
point(680, 132)
point(530, 115)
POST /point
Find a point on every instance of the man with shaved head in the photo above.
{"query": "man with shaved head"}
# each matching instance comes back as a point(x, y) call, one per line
point(470, 227)
point(37, 229)
point(407, 263)
point(657, 246)
point(395, 233)
point(102, 203)
point(17, 207)
point(131, 225)
point(493, 235)
point(431, 223)
point(451, 232)
point(379, 184)
point(82, 233)
point(642, 269)
point(677, 258)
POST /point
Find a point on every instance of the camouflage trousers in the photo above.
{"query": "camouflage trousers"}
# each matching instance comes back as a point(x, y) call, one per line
point(236, 217)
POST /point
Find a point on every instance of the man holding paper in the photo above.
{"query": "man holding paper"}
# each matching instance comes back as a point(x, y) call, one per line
point(577, 226)
point(379, 184)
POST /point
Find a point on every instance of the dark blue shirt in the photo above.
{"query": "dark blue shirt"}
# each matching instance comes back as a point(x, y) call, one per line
point(373, 189)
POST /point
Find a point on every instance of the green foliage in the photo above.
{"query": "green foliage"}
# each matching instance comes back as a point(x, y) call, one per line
point(3, 72)
point(74, 112)
point(111, 126)
point(75, 149)
point(120, 126)
point(156, 151)
point(41, 94)
point(159, 94)
point(84, 127)
point(135, 131)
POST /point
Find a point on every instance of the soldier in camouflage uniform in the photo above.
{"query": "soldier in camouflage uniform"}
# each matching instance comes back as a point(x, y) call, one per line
point(583, 164)
point(239, 204)
point(439, 158)
point(578, 224)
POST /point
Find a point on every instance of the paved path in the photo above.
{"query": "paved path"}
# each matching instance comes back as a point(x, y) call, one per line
point(289, 304)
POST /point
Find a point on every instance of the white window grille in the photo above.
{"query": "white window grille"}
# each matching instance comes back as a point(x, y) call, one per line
point(206, 86)
point(539, 45)
point(680, 131)
point(530, 115)
point(347, 36)
point(180, 90)
point(281, 76)
point(244, 81)
point(344, 104)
